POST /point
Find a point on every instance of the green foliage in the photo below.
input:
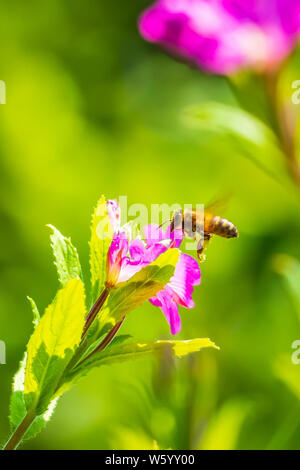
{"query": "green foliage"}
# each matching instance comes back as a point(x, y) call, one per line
point(66, 257)
point(18, 407)
point(35, 311)
point(49, 366)
point(290, 268)
point(141, 287)
point(125, 352)
point(139, 350)
point(245, 133)
point(53, 344)
point(101, 237)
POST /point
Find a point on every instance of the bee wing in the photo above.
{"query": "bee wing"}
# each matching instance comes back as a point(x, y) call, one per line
point(218, 205)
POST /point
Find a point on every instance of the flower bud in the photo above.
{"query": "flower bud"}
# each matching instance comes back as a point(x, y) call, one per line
point(117, 250)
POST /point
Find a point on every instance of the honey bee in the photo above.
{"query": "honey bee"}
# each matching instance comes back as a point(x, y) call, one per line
point(202, 227)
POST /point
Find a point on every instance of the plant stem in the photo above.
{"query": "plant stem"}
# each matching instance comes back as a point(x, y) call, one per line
point(285, 128)
point(94, 310)
point(108, 339)
point(18, 434)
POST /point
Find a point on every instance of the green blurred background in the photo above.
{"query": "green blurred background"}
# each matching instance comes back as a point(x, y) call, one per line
point(92, 109)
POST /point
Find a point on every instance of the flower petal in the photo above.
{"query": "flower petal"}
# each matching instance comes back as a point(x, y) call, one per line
point(137, 251)
point(178, 291)
point(165, 301)
point(153, 234)
point(118, 244)
point(187, 274)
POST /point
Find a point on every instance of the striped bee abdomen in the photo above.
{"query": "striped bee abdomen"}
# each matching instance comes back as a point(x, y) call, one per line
point(222, 227)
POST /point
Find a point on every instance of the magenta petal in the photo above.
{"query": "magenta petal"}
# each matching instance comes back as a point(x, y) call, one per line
point(178, 291)
point(137, 251)
point(153, 25)
point(129, 269)
point(176, 237)
point(119, 243)
point(165, 301)
point(153, 252)
point(187, 274)
point(153, 234)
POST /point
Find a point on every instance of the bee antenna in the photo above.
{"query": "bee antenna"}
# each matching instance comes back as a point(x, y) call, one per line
point(160, 226)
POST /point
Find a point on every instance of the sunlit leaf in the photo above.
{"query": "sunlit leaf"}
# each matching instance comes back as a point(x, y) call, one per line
point(66, 257)
point(35, 311)
point(18, 407)
point(52, 345)
point(143, 349)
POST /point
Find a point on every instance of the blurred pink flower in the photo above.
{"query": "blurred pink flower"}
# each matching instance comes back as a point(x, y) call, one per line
point(128, 256)
point(223, 36)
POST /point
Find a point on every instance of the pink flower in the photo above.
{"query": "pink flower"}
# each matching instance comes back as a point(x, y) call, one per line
point(223, 36)
point(128, 256)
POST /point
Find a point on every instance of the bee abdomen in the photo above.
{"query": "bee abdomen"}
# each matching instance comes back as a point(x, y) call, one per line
point(223, 228)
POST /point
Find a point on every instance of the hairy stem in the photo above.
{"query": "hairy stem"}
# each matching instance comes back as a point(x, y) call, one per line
point(19, 433)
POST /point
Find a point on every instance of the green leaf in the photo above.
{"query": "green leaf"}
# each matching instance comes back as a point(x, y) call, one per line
point(101, 237)
point(118, 340)
point(141, 287)
point(290, 268)
point(247, 135)
point(52, 345)
point(18, 407)
point(66, 257)
point(36, 314)
point(125, 352)
point(250, 92)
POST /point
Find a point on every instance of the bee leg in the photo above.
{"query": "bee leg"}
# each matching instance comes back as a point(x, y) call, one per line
point(202, 245)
